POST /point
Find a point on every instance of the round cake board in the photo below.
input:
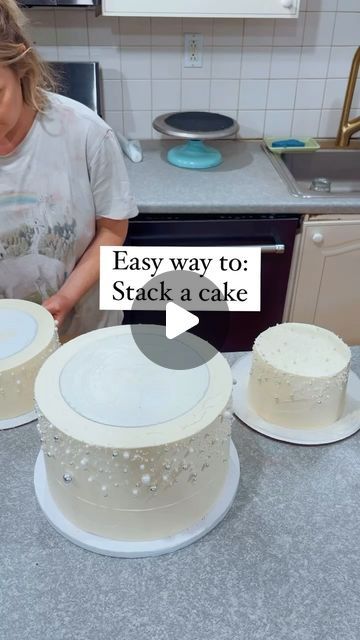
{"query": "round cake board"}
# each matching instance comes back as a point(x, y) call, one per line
point(18, 421)
point(346, 426)
point(136, 549)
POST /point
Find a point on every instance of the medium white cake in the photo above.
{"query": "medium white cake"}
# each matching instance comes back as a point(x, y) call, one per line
point(299, 375)
point(27, 337)
point(133, 451)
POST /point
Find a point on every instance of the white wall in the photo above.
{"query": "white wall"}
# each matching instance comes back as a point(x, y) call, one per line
point(276, 77)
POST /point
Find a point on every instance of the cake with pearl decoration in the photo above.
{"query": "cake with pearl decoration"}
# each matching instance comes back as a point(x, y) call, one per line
point(28, 335)
point(299, 375)
point(133, 451)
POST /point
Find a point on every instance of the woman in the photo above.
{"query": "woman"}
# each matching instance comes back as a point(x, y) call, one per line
point(64, 190)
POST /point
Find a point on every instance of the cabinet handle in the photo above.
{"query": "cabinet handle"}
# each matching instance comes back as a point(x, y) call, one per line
point(287, 3)
point(318, 238)
point(272, 248)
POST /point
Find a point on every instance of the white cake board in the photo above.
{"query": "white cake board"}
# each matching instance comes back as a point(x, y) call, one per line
point(126, 548)
point(346, 426)
point(10, 423)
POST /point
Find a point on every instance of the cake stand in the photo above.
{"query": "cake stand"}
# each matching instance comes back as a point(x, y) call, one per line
point(195, 127)
point(18, 421)
point(346, 426)
point(136, 549)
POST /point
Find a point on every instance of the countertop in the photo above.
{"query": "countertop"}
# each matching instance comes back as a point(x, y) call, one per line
point(246, 182)
point(283, 565)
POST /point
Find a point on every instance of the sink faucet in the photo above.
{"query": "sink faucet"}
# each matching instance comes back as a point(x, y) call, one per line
point(348, 127)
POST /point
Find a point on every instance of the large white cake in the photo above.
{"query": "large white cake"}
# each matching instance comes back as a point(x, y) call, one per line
point(27, 337)
point(133, 451)
point(299, 375)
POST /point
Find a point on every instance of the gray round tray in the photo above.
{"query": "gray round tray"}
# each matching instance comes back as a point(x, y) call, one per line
point(160, 124)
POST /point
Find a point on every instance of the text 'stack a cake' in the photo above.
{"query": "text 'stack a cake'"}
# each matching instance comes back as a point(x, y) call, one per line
point(133, 451)
point(299, 375)
point(27, 337)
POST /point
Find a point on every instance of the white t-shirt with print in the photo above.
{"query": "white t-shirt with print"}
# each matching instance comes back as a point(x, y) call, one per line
point(66, 173)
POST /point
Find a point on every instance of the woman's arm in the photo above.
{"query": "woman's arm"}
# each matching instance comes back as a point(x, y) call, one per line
point(86, 271)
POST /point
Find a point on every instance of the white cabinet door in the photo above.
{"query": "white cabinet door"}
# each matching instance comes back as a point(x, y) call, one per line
point(203, 8)
point(327, 282)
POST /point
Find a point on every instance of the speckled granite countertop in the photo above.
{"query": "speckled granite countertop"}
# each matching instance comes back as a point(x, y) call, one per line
point(246, 182)
point(283, 565)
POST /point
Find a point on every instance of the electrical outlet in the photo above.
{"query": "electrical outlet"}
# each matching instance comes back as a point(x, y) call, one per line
point(193, 43)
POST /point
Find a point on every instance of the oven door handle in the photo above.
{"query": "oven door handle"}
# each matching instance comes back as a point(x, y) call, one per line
point(272, 248)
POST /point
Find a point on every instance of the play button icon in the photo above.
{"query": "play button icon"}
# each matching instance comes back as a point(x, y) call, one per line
point(178, 320)
point(178, 330)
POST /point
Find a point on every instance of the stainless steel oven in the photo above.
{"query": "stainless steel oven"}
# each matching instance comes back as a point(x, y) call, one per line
point(274, 233)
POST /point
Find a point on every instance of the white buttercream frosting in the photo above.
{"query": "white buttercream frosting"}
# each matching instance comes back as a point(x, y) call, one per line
point(27, 337)
point(299, 375)
point(155, 478)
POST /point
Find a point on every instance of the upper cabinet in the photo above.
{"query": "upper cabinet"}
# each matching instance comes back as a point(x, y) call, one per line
point(203, 8)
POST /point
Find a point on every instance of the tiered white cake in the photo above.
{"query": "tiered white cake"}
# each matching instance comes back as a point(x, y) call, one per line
point(299, 375)
point(133, 451)
point(27, 337)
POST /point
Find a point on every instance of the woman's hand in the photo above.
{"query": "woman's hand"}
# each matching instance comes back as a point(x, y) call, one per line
point(59, 305)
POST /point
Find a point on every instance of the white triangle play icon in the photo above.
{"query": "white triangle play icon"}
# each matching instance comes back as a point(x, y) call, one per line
point(178, 320)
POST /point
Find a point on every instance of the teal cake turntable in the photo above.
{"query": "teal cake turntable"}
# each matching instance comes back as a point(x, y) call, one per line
point(195, 127)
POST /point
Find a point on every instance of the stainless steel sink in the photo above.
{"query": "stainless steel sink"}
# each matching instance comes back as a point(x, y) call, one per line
point(330, 173)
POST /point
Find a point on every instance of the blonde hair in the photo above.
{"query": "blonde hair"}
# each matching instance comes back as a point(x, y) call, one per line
point(16, 51)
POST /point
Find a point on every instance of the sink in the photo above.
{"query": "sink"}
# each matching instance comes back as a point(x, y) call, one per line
point(330, 173)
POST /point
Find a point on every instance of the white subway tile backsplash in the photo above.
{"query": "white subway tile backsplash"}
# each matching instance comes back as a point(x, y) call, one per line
point(166, 66)
point(223, 94)
point(203, 26)
point(137, 95)
point(306, 123)
point(71, 27)
point(319, 28)
point(109, 61)
point(314, 62)
point(112, 95)
point(309, 93)
point(251, 124)
point(285, 62)
point(255, 62)
point(166, 32)
point(281, 94)
point(278, 123)
point(284, 77)
point(347, 29)
point(348, 5)
point(334, 93)
point(329, 123)
point(134, 32)
point(340, 61)
point(42, 26)
point(137, 124)
point(166, 95)
point(253, 94)
point(226, 62)
point(195, 94)
point(103, 30)
point(228, 32)
point(289, 33)
point(258, 32)
point(135, 62)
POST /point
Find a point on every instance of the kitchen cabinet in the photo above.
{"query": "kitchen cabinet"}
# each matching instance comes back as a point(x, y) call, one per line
point(203, 8)
point(326, 284)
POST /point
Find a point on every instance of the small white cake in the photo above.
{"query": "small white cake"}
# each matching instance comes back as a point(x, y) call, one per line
point(27, 337)
point(133, 451)
point(299, 375)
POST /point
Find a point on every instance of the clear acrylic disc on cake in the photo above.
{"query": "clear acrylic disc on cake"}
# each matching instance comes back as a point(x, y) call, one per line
point(346, 426)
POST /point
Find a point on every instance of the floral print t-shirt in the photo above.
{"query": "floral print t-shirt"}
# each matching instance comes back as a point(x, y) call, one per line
point(66, 173)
